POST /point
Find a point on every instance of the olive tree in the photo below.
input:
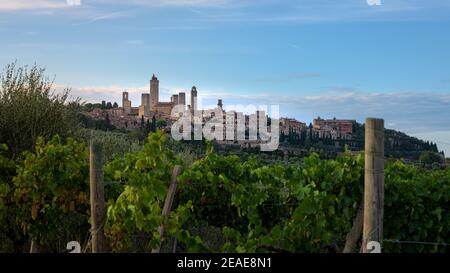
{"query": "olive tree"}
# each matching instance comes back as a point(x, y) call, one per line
point(30, 108)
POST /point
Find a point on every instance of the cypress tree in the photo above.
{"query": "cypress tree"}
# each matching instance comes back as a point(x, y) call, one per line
point(142, 123)
point(153, 127)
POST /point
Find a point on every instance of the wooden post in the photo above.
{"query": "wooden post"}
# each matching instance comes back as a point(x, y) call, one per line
point(355, 233)
point(97, 197)
point(168, 202)
point(373, 183)
point(34, 247)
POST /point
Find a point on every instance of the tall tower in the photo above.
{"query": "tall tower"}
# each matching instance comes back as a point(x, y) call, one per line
point(182, 98)
point(126, 103)
point(220, 103)
point(145, 100)
point(194, 99)
point(174, 99)
point(144, 109)
point(124, 98)
point(154, 93)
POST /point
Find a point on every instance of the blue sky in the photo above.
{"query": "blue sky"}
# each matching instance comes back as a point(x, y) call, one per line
point(312, 57)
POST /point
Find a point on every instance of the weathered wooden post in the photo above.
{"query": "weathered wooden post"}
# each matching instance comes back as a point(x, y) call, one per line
point(355, 233)
point(97, 197)
point(168, 202)
point(34, 247)
point(373, 185)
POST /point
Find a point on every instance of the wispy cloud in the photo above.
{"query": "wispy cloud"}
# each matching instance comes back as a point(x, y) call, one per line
point(289, 77)
point(324, 11)
point(15, 5)
point(191, 3)
point(107, 16)
point(249, 11)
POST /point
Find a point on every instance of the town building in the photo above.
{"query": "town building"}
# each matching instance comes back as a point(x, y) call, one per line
point(131, 117)
point(334, 128)
point(287, 124)
point(150, 104)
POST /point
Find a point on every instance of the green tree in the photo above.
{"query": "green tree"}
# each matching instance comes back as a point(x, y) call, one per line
point(148, 127)
point(108, 121)
point(161, 123)
point(142, 126)
point(115, 105)
point(428, 157)
point(290, 136)
point(303, 137)
point(310, 132)
point(153, 128)
point(30, 108)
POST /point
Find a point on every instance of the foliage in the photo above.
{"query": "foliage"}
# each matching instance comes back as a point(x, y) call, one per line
point(97, 124)
point(161, 123)
point(397, 144)
point(103, 105)
point(262, 208)
point(7, 171)
point(51, 188)
point(242, 204)
point(29, 109)
point(310, 207)
point(113, 143)
point(11, 238)
point(145, 176)
point(416, 208)
point(428, 157)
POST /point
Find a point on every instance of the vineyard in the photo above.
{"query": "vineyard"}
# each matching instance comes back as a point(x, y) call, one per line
point(221, 204)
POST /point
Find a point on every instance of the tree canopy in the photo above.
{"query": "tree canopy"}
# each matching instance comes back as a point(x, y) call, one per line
point(30, 107)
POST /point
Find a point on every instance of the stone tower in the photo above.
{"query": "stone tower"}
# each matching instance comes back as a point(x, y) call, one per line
point(175, 99)
point(182, 98)
point(194, 99)
point(145, 100)
point(144, 109)
point(126, 103)
point(154, 93)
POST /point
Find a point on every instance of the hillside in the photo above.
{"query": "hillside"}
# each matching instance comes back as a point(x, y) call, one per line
point(398, 144)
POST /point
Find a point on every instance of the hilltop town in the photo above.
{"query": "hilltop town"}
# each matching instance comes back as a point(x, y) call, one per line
point(324, 134)
point(130, 117)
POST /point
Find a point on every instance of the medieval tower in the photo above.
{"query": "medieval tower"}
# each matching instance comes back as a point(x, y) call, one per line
point(194, 99)
point(154, 93)
point(182, 98)
point(126, 103)
point(144, 109)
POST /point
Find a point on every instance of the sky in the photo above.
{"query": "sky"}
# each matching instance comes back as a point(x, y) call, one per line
point(348, 59)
